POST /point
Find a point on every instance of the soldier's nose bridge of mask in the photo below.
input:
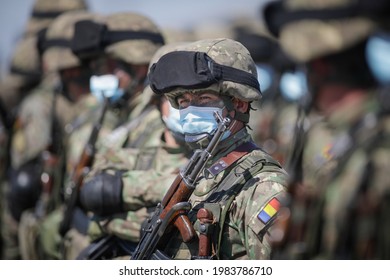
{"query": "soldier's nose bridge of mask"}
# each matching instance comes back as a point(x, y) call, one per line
point(202, 99)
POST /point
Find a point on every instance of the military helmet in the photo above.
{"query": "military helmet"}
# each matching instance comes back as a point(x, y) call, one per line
point(134, 50)
point(57, 54)
point(308, 29)
point(226, 52)
point(45, 11)
point(26, 60)
point(169, 47)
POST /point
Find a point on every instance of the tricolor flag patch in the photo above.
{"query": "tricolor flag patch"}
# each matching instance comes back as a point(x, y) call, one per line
point(269, 210)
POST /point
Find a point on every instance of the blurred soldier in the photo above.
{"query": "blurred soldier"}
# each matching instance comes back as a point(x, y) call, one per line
point(49, 113)
point(339, 205)
point(126, 183)
point(25, 68)
point(273, 119)
point(240, 183)
point(24, 75)
point(129, 41)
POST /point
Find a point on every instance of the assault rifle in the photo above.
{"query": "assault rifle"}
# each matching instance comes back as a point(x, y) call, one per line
point(81, 169)
point(171, 212)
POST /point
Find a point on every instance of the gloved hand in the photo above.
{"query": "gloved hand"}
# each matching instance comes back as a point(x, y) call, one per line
point(80, 221)
point(102, 195)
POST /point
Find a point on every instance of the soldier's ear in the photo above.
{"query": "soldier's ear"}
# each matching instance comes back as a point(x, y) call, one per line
point(240, 105)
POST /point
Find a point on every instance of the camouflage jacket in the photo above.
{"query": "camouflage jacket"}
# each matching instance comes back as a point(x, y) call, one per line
point(31, 132)
point(346, 161)
point(146, 176)
point(244, 233)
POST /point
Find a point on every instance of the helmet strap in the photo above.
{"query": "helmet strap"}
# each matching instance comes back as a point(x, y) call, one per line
point(242, 117)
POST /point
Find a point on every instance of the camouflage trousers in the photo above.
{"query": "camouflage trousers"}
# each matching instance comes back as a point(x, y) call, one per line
point(9, 228)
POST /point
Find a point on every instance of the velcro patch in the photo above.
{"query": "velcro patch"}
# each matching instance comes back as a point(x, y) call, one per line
point(269, 210)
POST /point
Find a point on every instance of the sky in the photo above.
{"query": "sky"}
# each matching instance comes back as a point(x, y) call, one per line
point(179, 14)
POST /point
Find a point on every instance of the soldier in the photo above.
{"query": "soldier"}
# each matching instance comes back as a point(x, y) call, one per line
point(339, 204)
point(273, 119)
point(129, 40)
point(242, 185)
point(49, 113)
point(117, 174)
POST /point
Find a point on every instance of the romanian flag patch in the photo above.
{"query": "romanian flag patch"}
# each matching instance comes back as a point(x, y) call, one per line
point(269, 211)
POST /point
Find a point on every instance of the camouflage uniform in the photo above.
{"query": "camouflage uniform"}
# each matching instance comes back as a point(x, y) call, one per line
point(146, 175)
point(339, 209)
point(147, 164)
point(56, 57)
point(133, 124)
point(347, 168)
point(238, 193)
point(23, 76)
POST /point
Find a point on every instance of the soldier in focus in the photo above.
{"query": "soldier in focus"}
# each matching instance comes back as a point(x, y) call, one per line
point(241, 183)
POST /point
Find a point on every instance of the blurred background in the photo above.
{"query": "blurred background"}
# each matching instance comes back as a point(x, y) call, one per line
point(168, 14)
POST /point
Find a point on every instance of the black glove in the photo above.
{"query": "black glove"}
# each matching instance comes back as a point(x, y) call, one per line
point(102, 194)
point(80, 221)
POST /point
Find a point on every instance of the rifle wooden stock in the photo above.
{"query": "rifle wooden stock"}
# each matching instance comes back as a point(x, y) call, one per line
point(179, 192)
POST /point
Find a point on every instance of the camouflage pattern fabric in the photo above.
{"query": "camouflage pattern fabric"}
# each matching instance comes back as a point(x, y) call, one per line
point(308, 38)
point(34, 115)
point(24, 74)
point(44, 12)
point(150, 173)
point(245, 235)
point(111, 140)
point(31, 135)
point(227, 52)
point(347, 173)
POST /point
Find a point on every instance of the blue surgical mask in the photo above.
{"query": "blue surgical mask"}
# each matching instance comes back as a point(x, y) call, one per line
point(378, 57)
point(199, 122)
point(173, 120)
point(106, 86)
point(293, 85)
point(265, 76)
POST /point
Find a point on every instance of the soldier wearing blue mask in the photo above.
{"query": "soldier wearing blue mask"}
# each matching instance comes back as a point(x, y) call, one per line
point(340, 190)
point(242, 185)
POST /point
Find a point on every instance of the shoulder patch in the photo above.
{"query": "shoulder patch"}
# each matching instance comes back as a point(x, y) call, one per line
point(269, 210)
